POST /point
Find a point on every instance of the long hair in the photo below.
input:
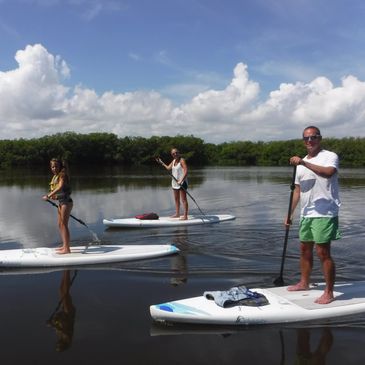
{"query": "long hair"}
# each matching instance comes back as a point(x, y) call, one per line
point(64, 169)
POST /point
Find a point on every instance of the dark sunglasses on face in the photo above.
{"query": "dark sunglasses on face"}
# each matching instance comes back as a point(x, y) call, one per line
point(311, 138)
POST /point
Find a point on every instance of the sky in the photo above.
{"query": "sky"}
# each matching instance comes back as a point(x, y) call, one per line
point(221, 70)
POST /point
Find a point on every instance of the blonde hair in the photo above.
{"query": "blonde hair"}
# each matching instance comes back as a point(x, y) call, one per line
point(64, 169)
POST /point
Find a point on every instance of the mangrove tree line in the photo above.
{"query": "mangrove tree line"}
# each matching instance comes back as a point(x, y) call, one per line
point(107, 148)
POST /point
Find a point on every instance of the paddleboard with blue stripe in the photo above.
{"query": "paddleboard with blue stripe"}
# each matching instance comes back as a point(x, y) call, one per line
point(284, 307)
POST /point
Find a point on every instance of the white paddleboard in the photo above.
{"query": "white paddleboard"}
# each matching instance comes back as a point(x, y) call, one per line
point(283, 307)
point(97, 254)
point(168, 221)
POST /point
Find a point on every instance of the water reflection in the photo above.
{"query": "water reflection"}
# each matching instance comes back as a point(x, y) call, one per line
point(101, 178)
point(247, 250)
point(304, 352)
point(301, 346)
point(256, 196)
point(63, 317)
point(179, 265)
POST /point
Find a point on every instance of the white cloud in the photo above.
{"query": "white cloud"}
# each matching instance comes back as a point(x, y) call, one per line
point(33, 90)
point(134, 56)
point(163, 58)
point(34, 102)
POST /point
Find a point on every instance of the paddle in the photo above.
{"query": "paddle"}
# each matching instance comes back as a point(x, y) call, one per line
point(158, 159)
point(76, 219)
point(279, 281)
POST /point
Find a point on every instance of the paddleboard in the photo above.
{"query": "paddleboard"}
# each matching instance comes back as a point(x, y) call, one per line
point(167, 221)
point(283, 307)
point(96, 254)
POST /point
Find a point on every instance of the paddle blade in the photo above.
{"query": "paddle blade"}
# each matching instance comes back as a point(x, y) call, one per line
point(279, 281)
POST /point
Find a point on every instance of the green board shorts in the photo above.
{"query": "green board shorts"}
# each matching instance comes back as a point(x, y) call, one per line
point(319, 229)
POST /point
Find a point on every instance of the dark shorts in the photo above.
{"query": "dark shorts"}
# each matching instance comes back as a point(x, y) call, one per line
point(64, 200)
point(184, 185)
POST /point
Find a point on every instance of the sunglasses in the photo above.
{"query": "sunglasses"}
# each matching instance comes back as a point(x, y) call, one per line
point(311, 138)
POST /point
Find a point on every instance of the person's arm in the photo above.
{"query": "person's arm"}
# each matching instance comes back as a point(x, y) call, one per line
point(185, 169)
point(167, 167)
point(323, 171)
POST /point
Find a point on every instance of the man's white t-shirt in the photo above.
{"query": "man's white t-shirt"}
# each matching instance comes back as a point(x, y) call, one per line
point(319, 196)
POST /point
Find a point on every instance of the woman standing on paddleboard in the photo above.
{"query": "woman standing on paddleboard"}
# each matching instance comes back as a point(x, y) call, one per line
point(60, 190)
point(179, 182)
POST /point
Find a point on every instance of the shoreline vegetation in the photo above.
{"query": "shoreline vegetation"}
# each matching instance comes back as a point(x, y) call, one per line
point(109, 149)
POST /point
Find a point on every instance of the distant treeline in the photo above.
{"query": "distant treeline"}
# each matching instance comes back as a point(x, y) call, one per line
point(107, 148)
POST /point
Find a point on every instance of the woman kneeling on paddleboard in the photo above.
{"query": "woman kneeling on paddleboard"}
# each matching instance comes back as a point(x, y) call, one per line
point(179, 183)
point(60, 190)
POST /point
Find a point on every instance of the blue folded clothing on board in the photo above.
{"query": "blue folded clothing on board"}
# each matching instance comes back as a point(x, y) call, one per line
point(238, 295)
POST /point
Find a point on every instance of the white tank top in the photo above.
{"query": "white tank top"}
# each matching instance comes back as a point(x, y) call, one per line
point(177, 172)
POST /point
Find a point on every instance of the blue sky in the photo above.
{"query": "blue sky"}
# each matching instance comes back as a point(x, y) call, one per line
point(221, 70)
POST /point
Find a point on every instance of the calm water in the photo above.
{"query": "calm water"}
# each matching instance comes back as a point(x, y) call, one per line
point(111, 322)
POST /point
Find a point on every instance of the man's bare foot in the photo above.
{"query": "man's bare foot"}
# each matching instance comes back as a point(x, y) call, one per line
point(325, 298)
point(298, 287)
point(184, 218)
point(63, 251)
point(175, 216)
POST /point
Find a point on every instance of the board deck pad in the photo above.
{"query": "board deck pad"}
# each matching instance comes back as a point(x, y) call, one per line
point(350, 294)
point(167, 221)
point(284, 307)
point(80, 255)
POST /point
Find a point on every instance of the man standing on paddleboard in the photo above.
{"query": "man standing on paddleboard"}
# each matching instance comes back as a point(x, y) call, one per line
point(316, 188)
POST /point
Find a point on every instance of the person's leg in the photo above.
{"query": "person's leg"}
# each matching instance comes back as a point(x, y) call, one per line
point(177, 203)
point(64, 212)
point(184, 201)
point(328, 268)
point(306, 265)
